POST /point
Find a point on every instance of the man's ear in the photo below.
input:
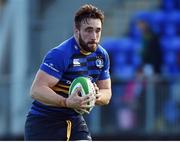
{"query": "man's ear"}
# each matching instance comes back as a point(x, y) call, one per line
point(74, 28)
point(76, 31)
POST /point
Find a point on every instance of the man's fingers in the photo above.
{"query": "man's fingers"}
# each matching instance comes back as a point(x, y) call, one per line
point(96, 88)
point(83, 110)
point(77, 91)
point(87, 105)
point(88, 98)
point(87, 101)
point(98, 96)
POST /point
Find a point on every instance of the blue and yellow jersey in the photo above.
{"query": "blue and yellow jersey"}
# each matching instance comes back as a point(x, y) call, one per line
point(66, 62)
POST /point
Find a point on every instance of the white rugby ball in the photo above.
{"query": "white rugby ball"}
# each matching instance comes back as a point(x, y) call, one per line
point(86, 87)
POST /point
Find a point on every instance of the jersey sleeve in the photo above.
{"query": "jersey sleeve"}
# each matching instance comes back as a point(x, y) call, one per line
point(54, 63)
point(105, 70)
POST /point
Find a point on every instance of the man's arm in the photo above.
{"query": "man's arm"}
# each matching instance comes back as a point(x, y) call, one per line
point(104, 92)
point(42, 92)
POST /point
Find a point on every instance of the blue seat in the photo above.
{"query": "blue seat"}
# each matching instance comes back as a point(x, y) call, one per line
point(119, 59)
point(125, 44)
point(170, 43)
point(176, 17)
point(124, 72)
point(168, 5)
point(142, 15)
point(170, 58)
point(134, 31)
point(124, 57)
point(110, 44)
point(170, 47)
point(136, 60)
point(172, 17)
point(170, 70)
point(170, 30)
point(177, 4)
point(157, 23)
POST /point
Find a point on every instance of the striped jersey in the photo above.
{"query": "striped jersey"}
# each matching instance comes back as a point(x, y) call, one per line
point(66, 62)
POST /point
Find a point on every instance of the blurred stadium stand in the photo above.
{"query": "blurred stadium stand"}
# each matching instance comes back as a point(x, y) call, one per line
point(145, 105)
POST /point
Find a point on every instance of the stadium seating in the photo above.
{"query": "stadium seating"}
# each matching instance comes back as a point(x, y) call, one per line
point(125, 58)
point(168, 5)
point(165, 21)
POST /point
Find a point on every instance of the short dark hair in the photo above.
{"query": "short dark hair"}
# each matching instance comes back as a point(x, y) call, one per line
point(88, 11)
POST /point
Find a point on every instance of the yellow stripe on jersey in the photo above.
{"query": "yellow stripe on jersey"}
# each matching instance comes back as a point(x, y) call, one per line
point(60, 89)
point(85, 52)
point(64, 86)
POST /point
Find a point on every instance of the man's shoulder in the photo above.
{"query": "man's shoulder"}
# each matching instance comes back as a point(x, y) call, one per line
point(101, 50)
point(65, 48)
point(65, 45)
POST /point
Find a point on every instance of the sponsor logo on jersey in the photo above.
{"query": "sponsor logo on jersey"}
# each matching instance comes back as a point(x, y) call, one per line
point(76, 62)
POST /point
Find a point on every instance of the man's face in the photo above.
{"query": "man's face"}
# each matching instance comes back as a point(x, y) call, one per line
point(89, 34)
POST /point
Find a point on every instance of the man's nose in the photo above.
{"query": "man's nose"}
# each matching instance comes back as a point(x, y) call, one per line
point(93, 35)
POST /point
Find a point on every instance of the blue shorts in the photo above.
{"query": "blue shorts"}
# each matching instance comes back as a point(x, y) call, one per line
point(49, 128)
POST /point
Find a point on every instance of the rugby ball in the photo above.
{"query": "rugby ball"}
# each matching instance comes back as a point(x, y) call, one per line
point(86, 87)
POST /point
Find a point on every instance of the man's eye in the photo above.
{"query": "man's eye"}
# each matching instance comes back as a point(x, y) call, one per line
point(89, 30)
point(97, 31)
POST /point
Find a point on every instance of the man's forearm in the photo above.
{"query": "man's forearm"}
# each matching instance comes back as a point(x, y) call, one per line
point(47, 96)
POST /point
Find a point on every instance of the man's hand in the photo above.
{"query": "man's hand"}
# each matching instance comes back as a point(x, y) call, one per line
point(76, 101)
point(97, 95)
point(103, 90)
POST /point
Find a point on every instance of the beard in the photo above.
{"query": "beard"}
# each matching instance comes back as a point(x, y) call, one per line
point(89, 46)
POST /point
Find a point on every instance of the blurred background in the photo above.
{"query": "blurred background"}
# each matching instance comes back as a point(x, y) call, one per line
point(142, 39)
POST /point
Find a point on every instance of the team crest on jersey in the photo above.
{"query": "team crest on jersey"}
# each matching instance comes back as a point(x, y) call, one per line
point(99, 63)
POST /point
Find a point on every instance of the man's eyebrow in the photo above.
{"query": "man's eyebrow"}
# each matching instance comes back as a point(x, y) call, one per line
point(89, 28)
